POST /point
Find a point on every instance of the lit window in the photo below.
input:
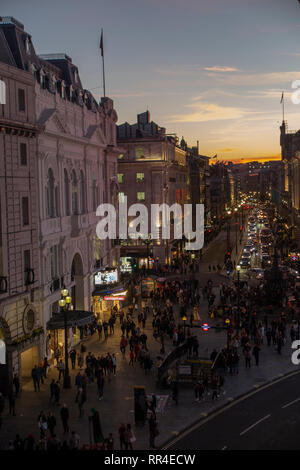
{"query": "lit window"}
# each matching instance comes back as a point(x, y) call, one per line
point(141, 196)
point(120, 178)
point(121, 197)
point(120, 156)
point(140, 177)
point(139, 152)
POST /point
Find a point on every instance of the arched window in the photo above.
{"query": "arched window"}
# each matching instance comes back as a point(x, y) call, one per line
point(67, 192)
point(74, 193)
point(82, 192)
point(94, 194)
point(50, 194)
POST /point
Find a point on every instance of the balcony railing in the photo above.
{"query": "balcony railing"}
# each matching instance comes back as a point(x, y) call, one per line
point(29, 276)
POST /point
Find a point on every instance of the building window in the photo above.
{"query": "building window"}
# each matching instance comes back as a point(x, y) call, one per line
point(50, 194)
point(21, 99)
point(141, 196)
point(139, 153)
point(121, 156)
point(67, 192)
point(27, 264)
point(82, 192)
point(140, 177)
point(25, 210)
point(94, 195)
point(54, 262)
point(120, 178)
point(74, 193)
point(23, 154)
point(121, 197)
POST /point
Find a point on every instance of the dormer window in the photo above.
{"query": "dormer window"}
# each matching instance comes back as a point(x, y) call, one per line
point(80, 98)
point(27, 45)
point(63, 89)
point(32, 69)
point(42, 78)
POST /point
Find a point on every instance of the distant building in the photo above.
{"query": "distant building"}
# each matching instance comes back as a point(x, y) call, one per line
point(290, 178)
point(152, 169)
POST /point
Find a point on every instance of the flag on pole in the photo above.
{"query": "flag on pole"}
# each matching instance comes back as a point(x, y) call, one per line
point(282, 94)
point(101, 44)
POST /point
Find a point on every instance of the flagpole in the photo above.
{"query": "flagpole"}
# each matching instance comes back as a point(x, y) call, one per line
point(102, 54)
point(282, 100)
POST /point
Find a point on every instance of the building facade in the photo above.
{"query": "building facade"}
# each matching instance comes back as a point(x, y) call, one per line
point(152, 169)
point(20, 318)
point(75, 170)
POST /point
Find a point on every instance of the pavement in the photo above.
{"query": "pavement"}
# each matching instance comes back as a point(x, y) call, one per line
point(118, 405)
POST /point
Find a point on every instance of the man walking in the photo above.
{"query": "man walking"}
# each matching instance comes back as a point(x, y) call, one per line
point(256, 351)
point(73, 357)
point(36, 378)
point(64, 414)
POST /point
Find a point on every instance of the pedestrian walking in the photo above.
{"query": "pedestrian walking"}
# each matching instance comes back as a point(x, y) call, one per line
point(80, 400)
point(16, 383)
point(35, 374)
point(61, 368)
point(129, 438)
point(255, 352)
point(12, 401)
point(51, 422)
point(73, 357)
point(122, 431)
point(64, 414)
point(56, 392)
point(153, 430)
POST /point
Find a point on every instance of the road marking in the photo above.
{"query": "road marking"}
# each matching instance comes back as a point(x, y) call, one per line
point(226, 408)
point(255, 424)
point(291, 403)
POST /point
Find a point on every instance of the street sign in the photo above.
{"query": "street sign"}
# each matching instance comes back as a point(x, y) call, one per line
point(205, 327)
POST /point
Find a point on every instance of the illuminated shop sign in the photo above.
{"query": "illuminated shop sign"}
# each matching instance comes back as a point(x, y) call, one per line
point(106, 277)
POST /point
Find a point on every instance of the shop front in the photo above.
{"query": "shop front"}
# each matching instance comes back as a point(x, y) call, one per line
point(107, 293)
point(76, 321)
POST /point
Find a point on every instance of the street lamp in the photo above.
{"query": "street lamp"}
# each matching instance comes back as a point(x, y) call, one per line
point(238, 268)
point(236, 226)
point(64, 304)
point(228, 231)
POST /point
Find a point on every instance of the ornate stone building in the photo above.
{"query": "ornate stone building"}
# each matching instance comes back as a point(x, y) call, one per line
point(76, 168)
point(20, 319)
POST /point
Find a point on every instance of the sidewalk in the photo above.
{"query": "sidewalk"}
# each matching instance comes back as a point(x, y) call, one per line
point(118, 405)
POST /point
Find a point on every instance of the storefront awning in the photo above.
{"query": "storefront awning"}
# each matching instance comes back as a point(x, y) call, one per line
point(105, 290)
point(74, 318)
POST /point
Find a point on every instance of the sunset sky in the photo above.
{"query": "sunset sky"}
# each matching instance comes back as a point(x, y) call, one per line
point(209, 70)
